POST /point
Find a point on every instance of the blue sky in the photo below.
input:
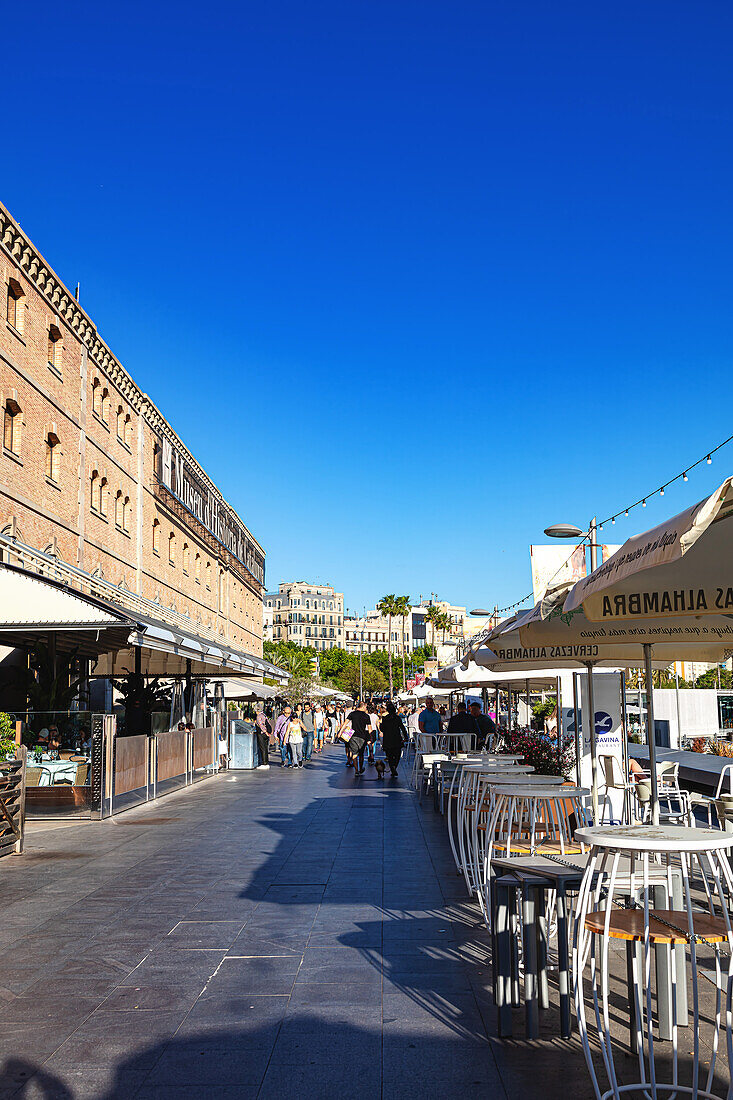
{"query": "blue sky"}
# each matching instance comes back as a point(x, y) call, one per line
point(412, 280)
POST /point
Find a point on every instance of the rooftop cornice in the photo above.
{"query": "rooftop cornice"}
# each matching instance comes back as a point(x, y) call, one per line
point(23, 252)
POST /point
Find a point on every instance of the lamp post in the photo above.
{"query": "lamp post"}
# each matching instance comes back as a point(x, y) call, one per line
point(570, 531)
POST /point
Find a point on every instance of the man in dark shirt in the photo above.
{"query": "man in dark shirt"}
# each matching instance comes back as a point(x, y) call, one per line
point(361, 725)
point(486, 727)
point(462, 722)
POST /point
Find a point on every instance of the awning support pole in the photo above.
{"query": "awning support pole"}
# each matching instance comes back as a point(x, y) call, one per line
point(576, 713)
point(650, 739)
point(593, 753)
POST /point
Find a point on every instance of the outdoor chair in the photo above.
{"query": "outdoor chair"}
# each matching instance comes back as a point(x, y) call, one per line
point(82, 775)
point(34, 777)
point(614, 780)
point(425, 771)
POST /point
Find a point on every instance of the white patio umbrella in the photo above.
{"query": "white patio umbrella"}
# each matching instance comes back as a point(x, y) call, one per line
point(527, 641)
point(672, 589)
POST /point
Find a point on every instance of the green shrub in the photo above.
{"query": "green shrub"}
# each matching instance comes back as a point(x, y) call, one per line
point(7, 735)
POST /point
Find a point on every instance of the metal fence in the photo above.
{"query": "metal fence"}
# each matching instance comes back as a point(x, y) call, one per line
point(129, 771)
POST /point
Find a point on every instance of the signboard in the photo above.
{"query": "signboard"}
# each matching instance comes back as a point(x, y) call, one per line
point(609, 732)
point(552, 565)
point(410, 685)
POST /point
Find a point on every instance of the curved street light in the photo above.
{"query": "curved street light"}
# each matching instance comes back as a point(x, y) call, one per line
point(570, 531)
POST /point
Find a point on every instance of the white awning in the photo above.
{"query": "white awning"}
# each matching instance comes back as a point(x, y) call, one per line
point(31, 607)
point(239, 688)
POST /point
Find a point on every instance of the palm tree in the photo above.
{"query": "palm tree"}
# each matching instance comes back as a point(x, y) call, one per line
point(444, 623)
point(389, 606)
point(404, 609)
point(433, 616)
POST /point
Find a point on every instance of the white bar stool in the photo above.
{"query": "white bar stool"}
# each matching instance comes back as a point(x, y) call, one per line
point(628, 860)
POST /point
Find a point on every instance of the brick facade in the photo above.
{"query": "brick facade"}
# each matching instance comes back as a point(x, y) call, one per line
point(62, 392)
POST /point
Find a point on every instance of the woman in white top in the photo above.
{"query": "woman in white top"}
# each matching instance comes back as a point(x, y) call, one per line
point(294, 737)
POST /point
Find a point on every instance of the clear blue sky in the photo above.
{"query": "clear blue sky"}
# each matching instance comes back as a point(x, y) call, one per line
point(412, 280)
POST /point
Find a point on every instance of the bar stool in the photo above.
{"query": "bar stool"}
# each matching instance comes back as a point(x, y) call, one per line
point(699, 857)
point(469, 806)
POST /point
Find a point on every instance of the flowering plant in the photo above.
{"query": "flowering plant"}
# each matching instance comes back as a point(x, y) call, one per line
point(540, 751)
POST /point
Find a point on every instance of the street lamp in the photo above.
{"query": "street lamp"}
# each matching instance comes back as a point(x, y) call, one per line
point(570, 531)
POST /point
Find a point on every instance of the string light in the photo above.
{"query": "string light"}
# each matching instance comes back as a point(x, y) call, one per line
point(682, 476)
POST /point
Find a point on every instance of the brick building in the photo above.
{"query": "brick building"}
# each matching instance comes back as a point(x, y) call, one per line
point(91, 472)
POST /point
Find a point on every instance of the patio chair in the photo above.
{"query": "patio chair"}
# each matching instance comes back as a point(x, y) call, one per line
point(614, 781)
point(34, 777)
point(82, 775)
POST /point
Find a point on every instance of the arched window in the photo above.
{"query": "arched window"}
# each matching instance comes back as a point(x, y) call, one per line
point(54, 347)
point(126, 515)
point(186, 557)
point(156, 536)
point(221, 589)
point(105, 405)
point(98, 493)
point(11, 426)
point(120, 423)
point(127, 431)
point(197, 569)
point(119, 519)
point(97, 397)
point(172, 548)
point(53, 452)
point(208, 576)
point(16, 311)
point(103, 496)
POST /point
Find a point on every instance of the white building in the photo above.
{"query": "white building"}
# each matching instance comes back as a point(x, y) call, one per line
point(307, 614)
point(370, 633)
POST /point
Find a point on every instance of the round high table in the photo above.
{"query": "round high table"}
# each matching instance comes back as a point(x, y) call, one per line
point(625, 867)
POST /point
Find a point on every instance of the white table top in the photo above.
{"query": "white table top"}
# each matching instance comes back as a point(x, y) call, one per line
point(495, 779)
point(520, 769)
point(654, 838)
point(528, 791)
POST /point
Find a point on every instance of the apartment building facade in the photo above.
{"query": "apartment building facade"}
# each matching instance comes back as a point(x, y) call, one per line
point(371, 632)
point(93, 474)
point(306, 614)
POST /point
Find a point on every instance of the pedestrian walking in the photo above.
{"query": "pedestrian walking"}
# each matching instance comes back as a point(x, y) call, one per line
point(394, 737)
point(281, 729)
point(309, 730)
point(320, 724)
point(361, 725)
point(294, 737)
point(373, 731)
point(333, 722)
point(263, 733)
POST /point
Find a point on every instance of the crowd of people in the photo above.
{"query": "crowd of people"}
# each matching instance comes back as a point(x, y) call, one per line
point(295, 733)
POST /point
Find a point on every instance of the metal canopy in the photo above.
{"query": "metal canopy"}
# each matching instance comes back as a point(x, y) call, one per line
point(32, 607)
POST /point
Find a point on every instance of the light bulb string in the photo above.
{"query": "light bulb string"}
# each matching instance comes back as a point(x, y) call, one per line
point(706, 457)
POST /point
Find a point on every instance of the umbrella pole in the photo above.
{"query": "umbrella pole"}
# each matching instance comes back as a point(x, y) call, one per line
point(650, 740)
point(526, 689)
point(576, 714)
point(593, 753)
point(558, 723)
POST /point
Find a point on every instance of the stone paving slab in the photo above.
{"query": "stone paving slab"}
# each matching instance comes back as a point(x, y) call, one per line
point(268, 934)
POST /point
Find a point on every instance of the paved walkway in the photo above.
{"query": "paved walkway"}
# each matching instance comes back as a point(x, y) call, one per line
point(268, 934)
